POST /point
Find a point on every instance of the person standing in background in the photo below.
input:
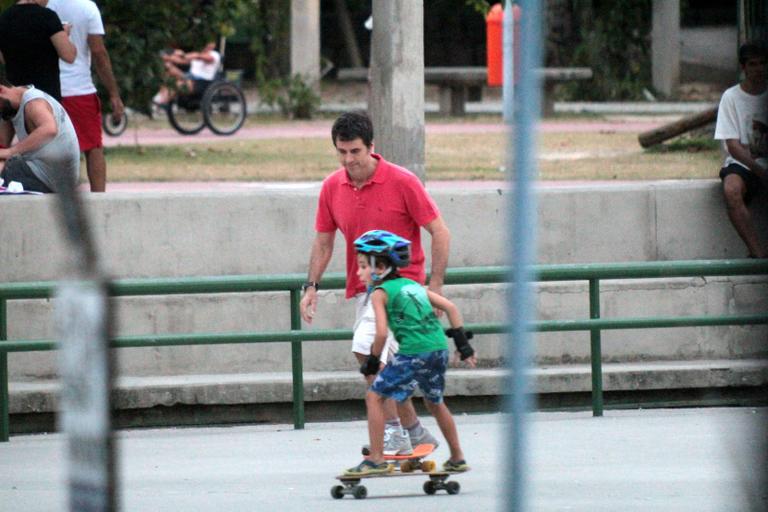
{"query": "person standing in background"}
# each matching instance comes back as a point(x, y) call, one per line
point(78, 90)
point(32, 39)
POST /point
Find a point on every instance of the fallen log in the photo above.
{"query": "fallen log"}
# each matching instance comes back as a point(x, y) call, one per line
point(658, 135)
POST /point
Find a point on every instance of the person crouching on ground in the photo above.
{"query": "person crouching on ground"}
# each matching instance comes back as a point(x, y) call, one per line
point(406, 307)
point(46, 155)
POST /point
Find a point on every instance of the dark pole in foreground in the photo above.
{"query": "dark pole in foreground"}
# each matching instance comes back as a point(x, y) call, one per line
point(82, 320)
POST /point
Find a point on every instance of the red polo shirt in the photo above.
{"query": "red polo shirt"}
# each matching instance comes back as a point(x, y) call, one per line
point(392, 199)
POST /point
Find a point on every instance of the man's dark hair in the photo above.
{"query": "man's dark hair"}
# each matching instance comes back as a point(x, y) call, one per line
point(4, 82)
point(750, 50)
point(353, 125)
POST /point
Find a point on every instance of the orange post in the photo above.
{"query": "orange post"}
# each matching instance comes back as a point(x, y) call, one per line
point(494, 30)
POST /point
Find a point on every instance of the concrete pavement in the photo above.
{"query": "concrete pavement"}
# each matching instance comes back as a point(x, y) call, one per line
point(702, 460)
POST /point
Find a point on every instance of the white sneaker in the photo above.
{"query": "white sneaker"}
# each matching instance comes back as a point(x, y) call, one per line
point(425, 438)
point(397, 442)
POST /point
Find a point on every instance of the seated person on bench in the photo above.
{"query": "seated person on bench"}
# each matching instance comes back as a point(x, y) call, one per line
point(203, 67)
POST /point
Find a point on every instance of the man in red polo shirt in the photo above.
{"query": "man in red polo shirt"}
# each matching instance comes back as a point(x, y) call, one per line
point(366, 193)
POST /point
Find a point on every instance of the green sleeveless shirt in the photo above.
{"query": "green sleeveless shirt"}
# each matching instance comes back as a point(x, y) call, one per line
point(411, 318)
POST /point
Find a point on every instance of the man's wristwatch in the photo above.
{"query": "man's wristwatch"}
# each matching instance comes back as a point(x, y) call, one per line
point(308, 284)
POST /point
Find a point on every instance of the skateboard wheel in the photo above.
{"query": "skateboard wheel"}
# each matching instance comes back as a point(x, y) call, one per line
point(429, 487)
point(406, 466)
point(428, 466)
point(360, 492)
point(366, 450)
point(452, 487)
point(337, 491)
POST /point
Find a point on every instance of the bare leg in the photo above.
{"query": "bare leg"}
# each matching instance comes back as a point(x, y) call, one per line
point(390, 406)
point(173, 71)
point(448, 427)
point(734, 190)
point(407, 413)
point(96, 166)
point(375, 406)
point(163, 95)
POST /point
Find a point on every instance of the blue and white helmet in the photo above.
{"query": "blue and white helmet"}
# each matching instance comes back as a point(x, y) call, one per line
point(383, 243)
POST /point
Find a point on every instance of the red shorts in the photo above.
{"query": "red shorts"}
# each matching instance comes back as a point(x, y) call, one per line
point(85, 113)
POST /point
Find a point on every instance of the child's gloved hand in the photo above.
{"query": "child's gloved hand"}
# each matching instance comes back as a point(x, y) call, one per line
point(461, 339)
point(371, 365)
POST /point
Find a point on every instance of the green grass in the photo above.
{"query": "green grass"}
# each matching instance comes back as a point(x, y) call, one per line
point(562, 156)
point(690, 144)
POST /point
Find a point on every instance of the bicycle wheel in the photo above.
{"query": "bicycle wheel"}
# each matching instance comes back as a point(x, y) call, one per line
point(224, 108)
point(185, 115)
point(113, 128)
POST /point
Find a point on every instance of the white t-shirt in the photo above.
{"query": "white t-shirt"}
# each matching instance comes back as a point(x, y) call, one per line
point(744, 117)
point(205, 70)
point(85, 18)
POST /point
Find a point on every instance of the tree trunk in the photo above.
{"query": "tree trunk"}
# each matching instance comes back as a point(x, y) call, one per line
point(662, 133)
point(348, 32)
point(559, 34)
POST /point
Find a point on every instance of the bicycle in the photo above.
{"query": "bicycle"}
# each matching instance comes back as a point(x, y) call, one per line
point(221, 107)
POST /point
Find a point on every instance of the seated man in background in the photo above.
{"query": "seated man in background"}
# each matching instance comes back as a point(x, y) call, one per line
point(46, 156)
point(742, 123)
point(203, 67)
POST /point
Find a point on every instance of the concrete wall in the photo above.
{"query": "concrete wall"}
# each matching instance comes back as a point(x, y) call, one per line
point(270, 232)
point(709, 54)
point(183, 234)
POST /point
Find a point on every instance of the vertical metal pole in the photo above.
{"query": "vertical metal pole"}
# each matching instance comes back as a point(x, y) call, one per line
point(82, 318)
point(522, 137)
point(5, 424)
point(595, 349)
point(297, 365)
point(508, 87)
point(85, 363)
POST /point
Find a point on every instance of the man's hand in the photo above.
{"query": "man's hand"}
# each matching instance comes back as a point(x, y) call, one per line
point(308, 304)
point(5, 153)
point(441, 241)
point(118, 109)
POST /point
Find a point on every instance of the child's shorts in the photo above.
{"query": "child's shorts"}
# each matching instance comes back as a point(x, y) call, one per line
point(751, 181)
point(399, 378)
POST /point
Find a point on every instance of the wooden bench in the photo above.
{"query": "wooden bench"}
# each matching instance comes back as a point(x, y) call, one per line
point(453, 83)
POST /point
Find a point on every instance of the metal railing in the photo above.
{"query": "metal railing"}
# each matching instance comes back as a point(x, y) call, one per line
point(592, 273)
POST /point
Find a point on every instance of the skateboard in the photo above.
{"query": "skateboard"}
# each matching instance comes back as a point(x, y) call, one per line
point(408, 464)
point(413, 461)
point(437, 481)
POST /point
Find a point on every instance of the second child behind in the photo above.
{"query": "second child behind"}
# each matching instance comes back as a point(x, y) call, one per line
point(406, 307)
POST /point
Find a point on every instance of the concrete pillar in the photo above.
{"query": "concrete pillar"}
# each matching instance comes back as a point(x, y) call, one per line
point(665, 46)
point(305, 39)
point(397, 82)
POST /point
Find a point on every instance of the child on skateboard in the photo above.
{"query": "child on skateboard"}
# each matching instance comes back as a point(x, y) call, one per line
point(406, 307)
